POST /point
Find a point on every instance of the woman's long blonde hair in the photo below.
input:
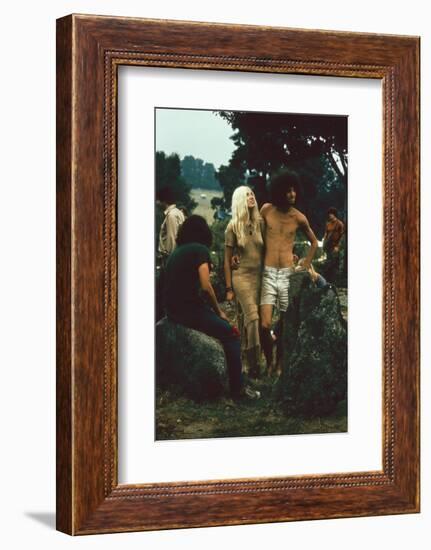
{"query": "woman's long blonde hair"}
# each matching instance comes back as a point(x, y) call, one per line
point(241, 214)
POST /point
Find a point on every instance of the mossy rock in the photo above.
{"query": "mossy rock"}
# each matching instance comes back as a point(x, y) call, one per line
point(314, 350)
point(189, 362)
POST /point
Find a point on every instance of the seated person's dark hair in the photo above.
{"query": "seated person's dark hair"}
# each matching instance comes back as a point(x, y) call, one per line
point(280, 185)
point(333, 210)
point(165, 194)
point(195, 230)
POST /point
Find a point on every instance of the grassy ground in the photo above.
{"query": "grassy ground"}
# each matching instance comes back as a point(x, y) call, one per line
point(179, 418)
point(204, 204)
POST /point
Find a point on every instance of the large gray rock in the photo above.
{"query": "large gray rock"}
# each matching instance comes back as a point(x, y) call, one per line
point(189, 362)
point(314, 350)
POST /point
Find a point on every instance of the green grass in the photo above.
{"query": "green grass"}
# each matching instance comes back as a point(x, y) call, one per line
point(203, 207)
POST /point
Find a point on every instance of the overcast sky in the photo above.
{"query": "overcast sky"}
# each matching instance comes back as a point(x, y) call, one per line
point(192, 132)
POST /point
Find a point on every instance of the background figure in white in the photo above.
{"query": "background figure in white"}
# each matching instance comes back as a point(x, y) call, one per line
point(174, 218)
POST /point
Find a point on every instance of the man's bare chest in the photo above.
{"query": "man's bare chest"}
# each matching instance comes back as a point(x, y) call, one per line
point(282, 226)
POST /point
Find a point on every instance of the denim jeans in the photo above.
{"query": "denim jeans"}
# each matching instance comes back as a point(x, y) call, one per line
point(206, 320)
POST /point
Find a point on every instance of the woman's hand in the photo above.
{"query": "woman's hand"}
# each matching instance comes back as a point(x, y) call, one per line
point(230, 295)
point(235, 261)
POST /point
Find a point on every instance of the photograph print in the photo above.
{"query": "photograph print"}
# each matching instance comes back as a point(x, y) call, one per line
point(251, 274)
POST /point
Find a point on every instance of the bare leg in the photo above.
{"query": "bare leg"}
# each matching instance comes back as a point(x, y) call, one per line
point(267, 341)
point(279, 353)
point(253, 362)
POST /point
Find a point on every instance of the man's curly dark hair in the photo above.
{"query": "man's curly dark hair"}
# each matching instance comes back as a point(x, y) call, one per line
point(280, 185)
point(195, 230)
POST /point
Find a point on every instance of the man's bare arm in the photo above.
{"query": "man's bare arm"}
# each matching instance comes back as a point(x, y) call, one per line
point(264, 209)
point(306, 229)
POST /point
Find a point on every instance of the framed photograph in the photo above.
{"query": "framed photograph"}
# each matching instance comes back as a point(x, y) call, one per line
point(258, 365)
point(237, 274)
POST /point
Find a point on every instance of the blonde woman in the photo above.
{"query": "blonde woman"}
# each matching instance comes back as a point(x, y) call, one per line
point(243, 238)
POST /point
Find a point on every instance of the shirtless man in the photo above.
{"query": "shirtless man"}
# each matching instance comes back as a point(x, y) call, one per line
point(333, 232)
point(282, 220)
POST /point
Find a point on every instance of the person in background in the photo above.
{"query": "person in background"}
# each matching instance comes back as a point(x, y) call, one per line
point(243, 239)
point(331, 242)
point(317, 279)
point(333, 232)
point(190, 299)
point(174, 217)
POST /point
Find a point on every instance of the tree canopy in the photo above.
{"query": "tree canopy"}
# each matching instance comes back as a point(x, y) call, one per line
point(267, 141)
point(315, 146)
point(168, 173)
point(199, 174)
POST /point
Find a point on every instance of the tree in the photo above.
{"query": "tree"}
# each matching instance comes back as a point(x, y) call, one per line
point(229, 178)
point(198, 173)
point(168, 172)
point(321, 189)
point(188, 170)
point(267, 141)
point(208, 176)
point(313, 145)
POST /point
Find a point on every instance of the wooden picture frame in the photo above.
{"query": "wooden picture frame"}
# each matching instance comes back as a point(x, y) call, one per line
point(89, 51)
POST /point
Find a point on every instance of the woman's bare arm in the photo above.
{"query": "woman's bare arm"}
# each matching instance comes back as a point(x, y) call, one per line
point(231, 262)
point(228, 252)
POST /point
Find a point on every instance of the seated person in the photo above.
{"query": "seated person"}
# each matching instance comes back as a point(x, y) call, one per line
point(187, 280)
point(317, 279)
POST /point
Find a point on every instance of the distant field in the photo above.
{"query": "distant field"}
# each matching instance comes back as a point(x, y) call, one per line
point(204, 204)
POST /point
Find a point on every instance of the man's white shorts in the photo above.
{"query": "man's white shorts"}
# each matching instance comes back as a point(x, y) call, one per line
point(275, 286)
